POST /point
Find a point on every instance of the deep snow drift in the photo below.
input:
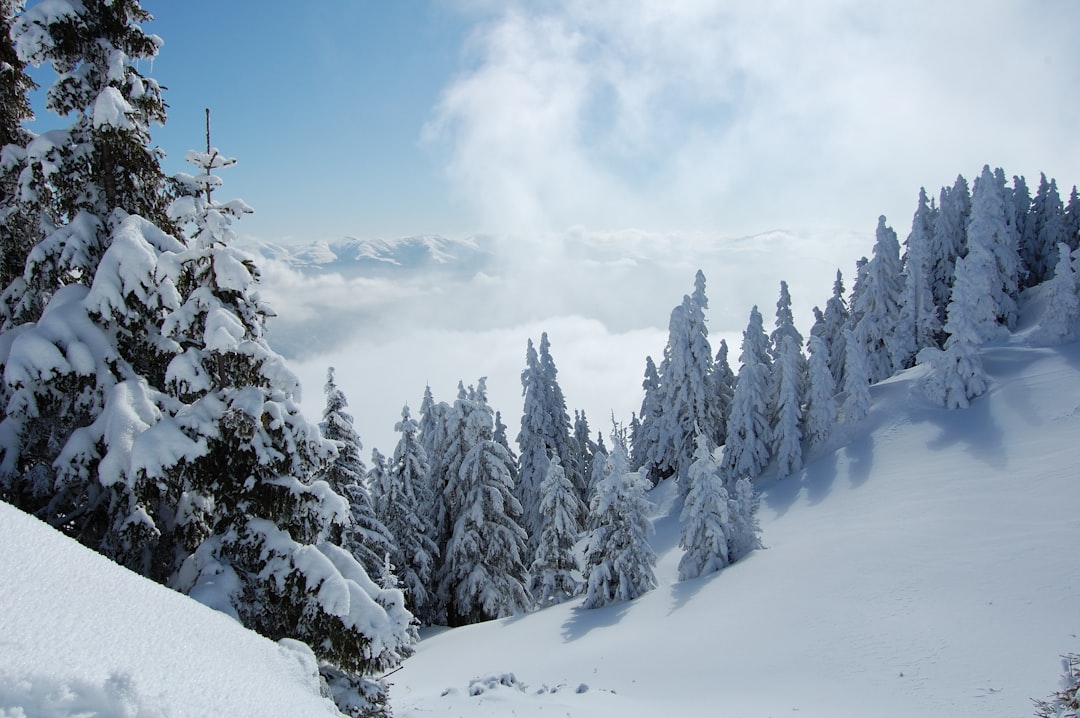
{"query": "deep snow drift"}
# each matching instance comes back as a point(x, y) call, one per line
point(81, 636)
point(926, 567)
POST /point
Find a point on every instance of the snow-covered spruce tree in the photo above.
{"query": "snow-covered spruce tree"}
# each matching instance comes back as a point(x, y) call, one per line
point(918, 325)
point(1048, 229)
point(81, 374)
point(786, 429)
point(646, 439)
point(878, 305)
point(785, 327)
point(20, 229)
point(705, 519)
point(264, 538)
point(1062, 300)
point(685, 393)
point(484, 574)
point(1023, 220)
point(721, 391)
point(598, 471)
point(365, 536)
point(585, 446)
point(749, 437)
point(545, 432)
point(989, 229)
point(399, 499)
point(948, 241)
point(555, 573)
point(856, 403)
point(1065, 702)
point(1072, 220)
point(619, 560)
point(821, 409)
point(831, 328)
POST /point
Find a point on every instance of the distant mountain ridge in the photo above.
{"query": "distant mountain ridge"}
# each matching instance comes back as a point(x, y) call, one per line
point(352, 256)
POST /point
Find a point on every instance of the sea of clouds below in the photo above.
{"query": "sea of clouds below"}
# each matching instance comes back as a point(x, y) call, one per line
point(603, 298)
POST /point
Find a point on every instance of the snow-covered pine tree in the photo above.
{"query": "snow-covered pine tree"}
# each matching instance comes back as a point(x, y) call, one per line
point(1023, 220)
point(785, 326)
point(746, 451)
point(684, 386)
point(598, 471)
point(1072, 220)
point(83, 372)
point(364, 536)
point(856, 404)
point(555, 574)
point(918, 325)
point(1048, 229)
point(619, 561)
point(398, 503)
point(705, 519)
point(585, 446)
point(545, 432)
point(721, 391)
point(484, 574)
point(831, 328)
point(786, 429)
point(992, 249)
point(878, 305)
point(744, 532)
point(948, 241)
point(821, 408)
point(20, 228)
point(1062, 300)
point(647, 437)
point(264, 537)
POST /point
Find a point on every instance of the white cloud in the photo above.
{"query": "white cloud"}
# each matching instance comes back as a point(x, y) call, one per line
point(742, 117)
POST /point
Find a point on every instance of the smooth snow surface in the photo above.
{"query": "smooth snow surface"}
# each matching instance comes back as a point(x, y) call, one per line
point(80, 636)
point(926, 567)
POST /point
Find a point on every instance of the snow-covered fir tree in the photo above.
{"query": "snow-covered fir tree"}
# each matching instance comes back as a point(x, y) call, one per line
point(749, 437)
point(1072, 220)
point(399, 501)
point(948, 241)
point(685, 391)
point(585, 446)
point(856, 404)
point(918, 325)
point(364, 536)
point(1048, 229)
point(484, 574)
point(619, 560)
point(786, 429)
point(821, 409)
point(831, 328)
point(705, 519)
point(878, 305)
point(1023, 220)
point(721, 391)
point(555, 572)
point(785, 327)
point(989, 233)
point(545, 432)
point(647, 436)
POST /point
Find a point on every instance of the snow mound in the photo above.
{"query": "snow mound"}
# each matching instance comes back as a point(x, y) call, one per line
point(81, 636)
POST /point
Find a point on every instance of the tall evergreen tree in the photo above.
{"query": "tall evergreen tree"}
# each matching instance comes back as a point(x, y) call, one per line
point(705, 518)
point(484, 574)
point(365, 536)
point(1049, 229)
point(918, 325)
point(685, 387)
point(878, 306)
point(749, 437)
point(399, 502)
point(721, 391)
point(1072, 220)
point(821, 408)
point(786, 429)
point(990, 238)
point(619, 561)
point(555, 573)
point(1062, 300)
point(949, 241)
point(856, 404)
point(831, 328)
point(647, 437)
point(1023, 220)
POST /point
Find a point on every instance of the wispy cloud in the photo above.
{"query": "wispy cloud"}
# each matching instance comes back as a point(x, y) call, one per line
point(746, 116)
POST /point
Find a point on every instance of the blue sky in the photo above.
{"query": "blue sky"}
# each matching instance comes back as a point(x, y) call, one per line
point(383, 119)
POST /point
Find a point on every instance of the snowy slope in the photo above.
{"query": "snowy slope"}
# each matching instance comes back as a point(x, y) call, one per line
point(926, 567)
point(80, 636)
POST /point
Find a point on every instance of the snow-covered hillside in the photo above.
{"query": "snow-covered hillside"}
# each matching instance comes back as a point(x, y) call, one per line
point(926, 567)
point(80, 636)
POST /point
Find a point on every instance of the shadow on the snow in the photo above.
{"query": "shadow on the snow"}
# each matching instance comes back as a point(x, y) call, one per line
point(818, 478)
point(582, 620)
point(860, 454)
point(973, 428)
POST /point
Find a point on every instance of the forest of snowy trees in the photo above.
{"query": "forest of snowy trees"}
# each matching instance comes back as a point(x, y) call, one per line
point(144, 414)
